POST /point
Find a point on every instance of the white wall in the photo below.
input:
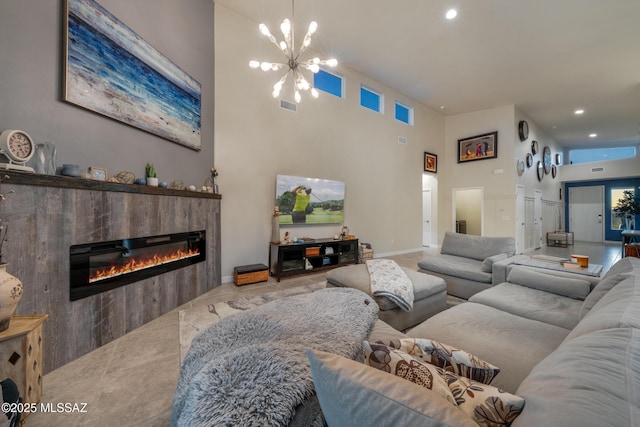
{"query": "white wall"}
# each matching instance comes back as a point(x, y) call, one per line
point(328, 138)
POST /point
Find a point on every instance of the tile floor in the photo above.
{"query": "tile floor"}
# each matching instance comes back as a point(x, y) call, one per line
point(131, 381)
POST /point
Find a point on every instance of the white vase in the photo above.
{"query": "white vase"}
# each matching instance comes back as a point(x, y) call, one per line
point(10, 294)
point(153, 182)
point(275, 230)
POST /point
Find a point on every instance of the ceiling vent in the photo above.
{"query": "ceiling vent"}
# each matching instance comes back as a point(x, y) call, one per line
point(288, 105)
point(600, 169)
point(402, 140)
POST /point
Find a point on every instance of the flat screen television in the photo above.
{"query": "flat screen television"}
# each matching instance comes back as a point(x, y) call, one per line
point(309, 200)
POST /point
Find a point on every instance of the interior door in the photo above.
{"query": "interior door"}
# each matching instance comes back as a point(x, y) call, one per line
point(426, 217)
point(520, 223)
point(586, 210)
point(537, 219)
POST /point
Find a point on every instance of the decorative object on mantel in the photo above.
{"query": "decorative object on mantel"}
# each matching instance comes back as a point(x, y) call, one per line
point(176, 185)
point(44, 160)
point(275, 226)
point(211, 181)
point(98, 174)
point(18, 147)
point(71, 170)
point(293, 61)
point(126, 177)
point(10, 286)
point(152, 179)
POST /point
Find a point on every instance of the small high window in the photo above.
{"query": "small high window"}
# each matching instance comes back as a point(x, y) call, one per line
point(600, 154)
point(329, 82)
point(404, 114)
point(371, 99)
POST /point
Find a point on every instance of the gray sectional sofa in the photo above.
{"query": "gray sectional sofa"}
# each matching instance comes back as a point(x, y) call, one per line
point(571, 352)
point(466, 262)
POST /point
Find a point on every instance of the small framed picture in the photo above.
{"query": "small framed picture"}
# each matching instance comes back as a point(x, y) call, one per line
point(479, 147)
point(430, 162)
point(99, 174)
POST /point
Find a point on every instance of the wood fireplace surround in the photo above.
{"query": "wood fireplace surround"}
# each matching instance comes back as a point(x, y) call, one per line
point(46, 215)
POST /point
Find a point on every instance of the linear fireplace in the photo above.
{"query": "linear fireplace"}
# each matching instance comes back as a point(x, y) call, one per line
point(102, 266)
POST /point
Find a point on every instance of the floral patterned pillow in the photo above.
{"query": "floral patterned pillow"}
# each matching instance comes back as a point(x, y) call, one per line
point(402, 365)
point(488, 406)
point(485, 404)
point(447, 357)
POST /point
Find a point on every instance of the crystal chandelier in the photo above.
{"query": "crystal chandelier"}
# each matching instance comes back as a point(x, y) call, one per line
point(287, 46)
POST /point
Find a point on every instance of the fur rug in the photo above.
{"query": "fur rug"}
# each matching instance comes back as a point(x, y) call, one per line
point(251, 368)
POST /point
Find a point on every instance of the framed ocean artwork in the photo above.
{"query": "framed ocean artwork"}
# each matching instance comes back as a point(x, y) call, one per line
point(111, 70)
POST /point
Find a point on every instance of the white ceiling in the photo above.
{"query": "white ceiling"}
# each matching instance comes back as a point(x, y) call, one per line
point(546, 57)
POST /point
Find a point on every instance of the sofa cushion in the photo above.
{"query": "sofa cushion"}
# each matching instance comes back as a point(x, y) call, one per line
point(618, 308)
point(456, 266)
point(353, 394)
point(513, 343)
point(565, 286)
point(476, 247)
point(486, 405)
point(449, 358)
point(357, 276)
point(531, 304)
point(593, 380)
point(487, 263)
point(400, 364)
point(616, 274)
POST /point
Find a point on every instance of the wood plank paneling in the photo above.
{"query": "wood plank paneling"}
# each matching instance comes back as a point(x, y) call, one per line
point(46, 215)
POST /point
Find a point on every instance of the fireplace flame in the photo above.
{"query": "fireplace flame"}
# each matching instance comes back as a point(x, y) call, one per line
point(140, 264)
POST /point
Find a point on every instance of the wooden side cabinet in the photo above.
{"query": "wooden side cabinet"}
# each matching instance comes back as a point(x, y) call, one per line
point(21, 355)
point(309, 257)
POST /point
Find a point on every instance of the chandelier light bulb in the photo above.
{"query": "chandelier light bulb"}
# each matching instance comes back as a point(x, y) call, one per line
point(285, 27)
point(293, 59)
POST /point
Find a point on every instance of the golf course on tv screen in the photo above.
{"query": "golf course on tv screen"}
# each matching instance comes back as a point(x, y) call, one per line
point(309, 200)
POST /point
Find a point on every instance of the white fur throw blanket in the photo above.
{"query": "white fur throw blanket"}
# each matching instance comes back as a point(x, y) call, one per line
point(251, 368)
point(388, 280)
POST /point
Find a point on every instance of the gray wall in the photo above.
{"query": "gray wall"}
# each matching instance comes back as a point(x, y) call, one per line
point(31, 75)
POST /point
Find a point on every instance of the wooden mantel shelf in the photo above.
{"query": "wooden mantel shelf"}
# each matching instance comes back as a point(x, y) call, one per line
point(22, 178)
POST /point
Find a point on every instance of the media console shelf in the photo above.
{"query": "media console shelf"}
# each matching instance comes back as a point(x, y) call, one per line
point(319, 254)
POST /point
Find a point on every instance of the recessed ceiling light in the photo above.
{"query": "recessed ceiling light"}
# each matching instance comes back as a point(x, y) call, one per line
point(580, 111)
point(451, 13)
point(593, 135)
point(442, 107)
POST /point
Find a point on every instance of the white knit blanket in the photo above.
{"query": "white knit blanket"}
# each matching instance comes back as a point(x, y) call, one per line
point(389, 280)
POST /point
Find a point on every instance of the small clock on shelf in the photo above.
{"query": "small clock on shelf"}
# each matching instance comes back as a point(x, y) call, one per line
point(18, 147)
point(523, 130)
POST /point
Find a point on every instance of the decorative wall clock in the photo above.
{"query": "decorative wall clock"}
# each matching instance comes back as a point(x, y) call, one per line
point(520, 167)
point(546, 159)
point(540, 171)
point(18, 147)
point(558, 159)
point(554, 171)
point(529, 160)
point(534, 147)
point(523, 130)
